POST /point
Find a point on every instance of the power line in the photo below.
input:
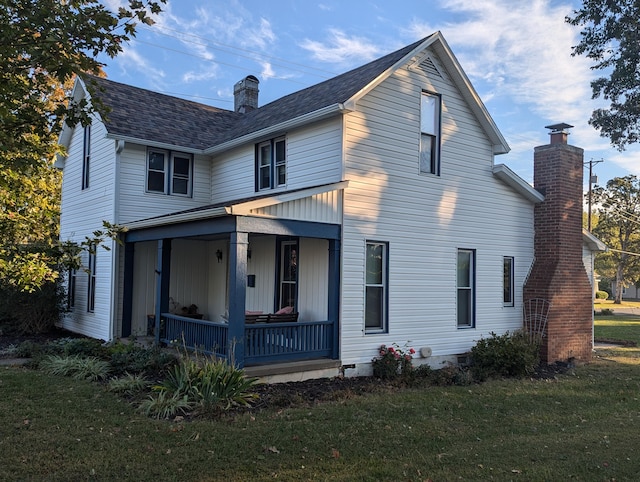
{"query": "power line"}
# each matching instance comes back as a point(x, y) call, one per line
point(205, 58)
point(254, 54)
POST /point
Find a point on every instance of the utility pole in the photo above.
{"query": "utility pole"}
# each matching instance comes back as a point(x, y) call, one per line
point(592, 179)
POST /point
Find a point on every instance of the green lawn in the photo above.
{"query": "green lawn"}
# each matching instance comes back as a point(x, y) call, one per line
point(582, 425)
point(617, 327)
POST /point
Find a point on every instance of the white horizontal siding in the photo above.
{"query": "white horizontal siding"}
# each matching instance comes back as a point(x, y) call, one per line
point(82, 212)
point(322, 208)
point(425, 219)
point(314, 156)
point(135, 203)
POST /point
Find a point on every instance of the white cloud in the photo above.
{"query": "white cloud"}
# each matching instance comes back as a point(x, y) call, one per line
point(129, 61)
point(341, 49)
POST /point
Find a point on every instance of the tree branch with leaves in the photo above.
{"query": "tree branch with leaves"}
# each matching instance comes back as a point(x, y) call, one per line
point(610, 37)
point(618, 209)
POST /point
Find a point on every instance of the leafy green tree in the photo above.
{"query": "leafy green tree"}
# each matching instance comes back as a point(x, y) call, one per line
point(609, 37)
point(618, 208)
point(44, 44)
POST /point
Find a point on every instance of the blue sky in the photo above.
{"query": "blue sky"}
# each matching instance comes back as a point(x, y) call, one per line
point(516, 53)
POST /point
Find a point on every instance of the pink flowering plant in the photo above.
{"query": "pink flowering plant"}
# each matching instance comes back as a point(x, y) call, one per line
point(392, 361)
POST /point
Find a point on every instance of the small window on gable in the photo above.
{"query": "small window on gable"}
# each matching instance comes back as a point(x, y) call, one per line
point(271, 164)
point(508, 284)
point(430, 134)
point(169, 172)
point(86, 156)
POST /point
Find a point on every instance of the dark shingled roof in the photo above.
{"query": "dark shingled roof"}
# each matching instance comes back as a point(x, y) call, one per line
point(147, 115)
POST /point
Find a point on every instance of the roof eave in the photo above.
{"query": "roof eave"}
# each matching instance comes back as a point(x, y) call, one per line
point(593, 243)
point(156, 144)
point(500, 145)
point(304, 119)
point(516, 183)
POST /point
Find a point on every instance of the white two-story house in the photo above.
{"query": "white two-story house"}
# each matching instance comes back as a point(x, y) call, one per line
point(364, 210)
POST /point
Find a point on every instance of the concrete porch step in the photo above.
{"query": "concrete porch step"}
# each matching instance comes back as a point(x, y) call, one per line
point(296, 371)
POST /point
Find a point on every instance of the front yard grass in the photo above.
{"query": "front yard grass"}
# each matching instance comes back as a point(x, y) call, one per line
point(581, 425)
point(617, 327)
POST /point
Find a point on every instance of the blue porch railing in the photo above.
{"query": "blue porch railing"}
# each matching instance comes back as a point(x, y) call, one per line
point(264, 342)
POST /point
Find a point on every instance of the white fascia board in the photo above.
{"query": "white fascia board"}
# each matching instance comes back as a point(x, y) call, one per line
point(500, 145)
point(246, 207)
point(518, 184)
point(593, 243)
point(176, 218)
point(156, 144)
point(278, 128)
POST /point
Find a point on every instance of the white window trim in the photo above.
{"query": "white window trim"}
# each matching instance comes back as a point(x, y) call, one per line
point(169, 170)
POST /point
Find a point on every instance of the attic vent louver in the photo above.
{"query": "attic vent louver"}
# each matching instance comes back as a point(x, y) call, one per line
point(429, 67)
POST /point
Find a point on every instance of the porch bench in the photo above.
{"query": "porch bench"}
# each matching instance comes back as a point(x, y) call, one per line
point(271, 318)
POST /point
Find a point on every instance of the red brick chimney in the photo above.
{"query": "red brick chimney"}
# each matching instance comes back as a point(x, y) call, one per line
point(558, 274)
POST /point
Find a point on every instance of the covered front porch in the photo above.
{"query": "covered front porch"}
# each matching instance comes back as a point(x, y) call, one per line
point(249, 289)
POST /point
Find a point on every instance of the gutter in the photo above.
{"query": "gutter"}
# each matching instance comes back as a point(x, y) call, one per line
point(177, 218)
point(316, 115)
point(516, 183)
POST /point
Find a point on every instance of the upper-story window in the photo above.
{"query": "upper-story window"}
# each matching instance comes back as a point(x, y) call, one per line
point(169, 172)
point(271, 164)
point(430, 134)
point(86, 155)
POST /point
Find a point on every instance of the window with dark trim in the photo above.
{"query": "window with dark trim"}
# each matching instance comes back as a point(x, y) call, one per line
point(169, 172)
point(376, 287)
point(86, 156)
point(430, 134)
point(91, 272)
point(71, 288)
point(466, 274)
point(507, 281)
point(288, 274)
point(271, 164)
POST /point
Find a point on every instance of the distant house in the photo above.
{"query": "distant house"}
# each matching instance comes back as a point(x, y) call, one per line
point(361, 211)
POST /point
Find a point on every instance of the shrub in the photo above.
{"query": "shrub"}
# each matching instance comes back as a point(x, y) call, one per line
point(602, 295)
point(508, 355)
point(392, 362)
point(28, 313)
point(133, 358)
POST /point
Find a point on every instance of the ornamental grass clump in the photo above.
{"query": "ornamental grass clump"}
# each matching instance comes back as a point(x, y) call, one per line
point(209, 385)
point(392, 362)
